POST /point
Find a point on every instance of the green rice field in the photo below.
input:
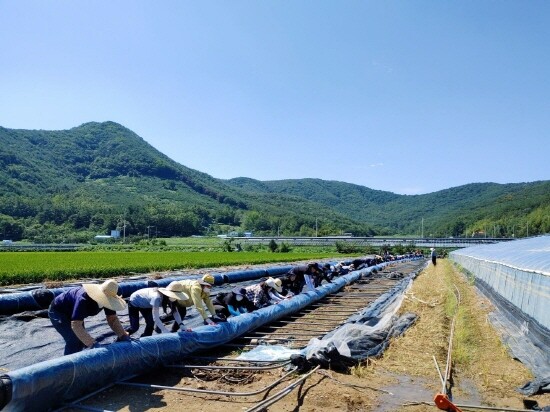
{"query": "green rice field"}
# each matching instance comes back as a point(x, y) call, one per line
point(32, 267)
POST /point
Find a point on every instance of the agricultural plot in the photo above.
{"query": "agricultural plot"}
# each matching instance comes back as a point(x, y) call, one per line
point(29, 267)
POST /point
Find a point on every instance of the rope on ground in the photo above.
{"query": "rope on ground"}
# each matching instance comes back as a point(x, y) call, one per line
point(442, 400)
point(412, 297)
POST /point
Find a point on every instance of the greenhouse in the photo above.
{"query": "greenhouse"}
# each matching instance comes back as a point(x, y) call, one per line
point(515, 276)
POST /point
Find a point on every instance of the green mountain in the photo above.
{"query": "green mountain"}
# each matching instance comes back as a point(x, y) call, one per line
point(498, 209)
point(71, 184)
point(102, 176)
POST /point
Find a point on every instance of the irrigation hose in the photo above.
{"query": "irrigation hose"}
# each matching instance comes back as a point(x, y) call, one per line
point(243, 368)
point(216, 359)
point(74, 404)
point(205, 391)
point(489, 408)
point(278, 396)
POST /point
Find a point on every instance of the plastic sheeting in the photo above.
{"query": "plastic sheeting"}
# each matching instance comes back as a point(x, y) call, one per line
point(516, 277)
point(28, 337)
point(518, 271)
point(47, 384)
point(366, 334)
point(11, 303)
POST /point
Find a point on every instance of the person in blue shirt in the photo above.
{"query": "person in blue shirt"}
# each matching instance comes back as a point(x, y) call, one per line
point(69, 309)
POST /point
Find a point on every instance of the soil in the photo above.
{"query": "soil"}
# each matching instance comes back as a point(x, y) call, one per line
point(404, 379)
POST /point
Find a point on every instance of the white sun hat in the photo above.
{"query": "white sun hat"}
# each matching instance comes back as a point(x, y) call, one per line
point(174, 291)
point(105, 294)
point(276, 284)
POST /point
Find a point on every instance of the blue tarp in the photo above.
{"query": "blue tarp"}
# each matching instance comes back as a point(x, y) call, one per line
point(47, 384)
point(27, 301)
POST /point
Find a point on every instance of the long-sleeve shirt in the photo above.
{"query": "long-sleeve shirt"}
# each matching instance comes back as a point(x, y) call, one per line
point(310, 283)
point(275, 296)
point(197, 297)
point(257, 295)
point(76, 305)
point(151, 298)
point(229, 301)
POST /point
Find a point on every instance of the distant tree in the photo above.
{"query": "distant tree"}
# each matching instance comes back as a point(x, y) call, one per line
point(273, 245)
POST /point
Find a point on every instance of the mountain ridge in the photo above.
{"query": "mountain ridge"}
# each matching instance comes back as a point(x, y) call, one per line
point(86, 179)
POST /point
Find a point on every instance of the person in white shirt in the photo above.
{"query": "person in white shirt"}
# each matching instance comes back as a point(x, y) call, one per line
point(148, 301)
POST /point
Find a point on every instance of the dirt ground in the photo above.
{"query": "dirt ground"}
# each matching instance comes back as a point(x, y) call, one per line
point(404, 379)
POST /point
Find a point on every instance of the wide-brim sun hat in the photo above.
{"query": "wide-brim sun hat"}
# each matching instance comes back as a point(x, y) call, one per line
point(276, 284)
point(174, 291)
point(207, 280)
point(105, 294)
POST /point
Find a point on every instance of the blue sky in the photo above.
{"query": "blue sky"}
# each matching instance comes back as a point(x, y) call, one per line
point(404, 96)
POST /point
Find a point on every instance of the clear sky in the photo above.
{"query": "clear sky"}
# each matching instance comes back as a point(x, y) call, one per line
point(404, 96)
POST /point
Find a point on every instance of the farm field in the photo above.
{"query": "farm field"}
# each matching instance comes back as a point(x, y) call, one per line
point(29, 267)
point(404, 378)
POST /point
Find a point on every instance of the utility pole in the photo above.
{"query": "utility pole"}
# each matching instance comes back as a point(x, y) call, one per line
point(422, 235)
point(315, 227)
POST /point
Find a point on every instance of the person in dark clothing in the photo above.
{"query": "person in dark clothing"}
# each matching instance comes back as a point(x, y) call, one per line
point(233, 303)
point(359, 263)
point(300, 276)
point(69, 309)
point(434, 256)
point(327, 272)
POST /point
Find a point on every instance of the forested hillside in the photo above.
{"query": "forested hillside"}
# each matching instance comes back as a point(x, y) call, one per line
point(69, 185)
point(498, 209)
point(72, 184)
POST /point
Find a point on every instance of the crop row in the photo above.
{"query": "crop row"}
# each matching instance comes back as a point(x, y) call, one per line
point(31, 267)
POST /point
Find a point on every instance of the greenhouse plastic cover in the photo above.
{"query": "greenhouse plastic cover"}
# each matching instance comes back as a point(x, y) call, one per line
point(527, 255)
point(366, 334)
point(516, 277)
point(518, 271)
point(59, 380)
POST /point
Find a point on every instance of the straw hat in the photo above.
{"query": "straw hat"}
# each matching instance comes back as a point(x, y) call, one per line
point(105, 294)
point(207, 280)
point(174, 291)
point(276, 284)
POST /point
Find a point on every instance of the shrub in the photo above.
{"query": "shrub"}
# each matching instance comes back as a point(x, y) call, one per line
point(273, 246)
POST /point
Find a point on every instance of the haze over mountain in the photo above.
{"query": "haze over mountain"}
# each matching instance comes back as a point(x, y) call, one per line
point(72, 184)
